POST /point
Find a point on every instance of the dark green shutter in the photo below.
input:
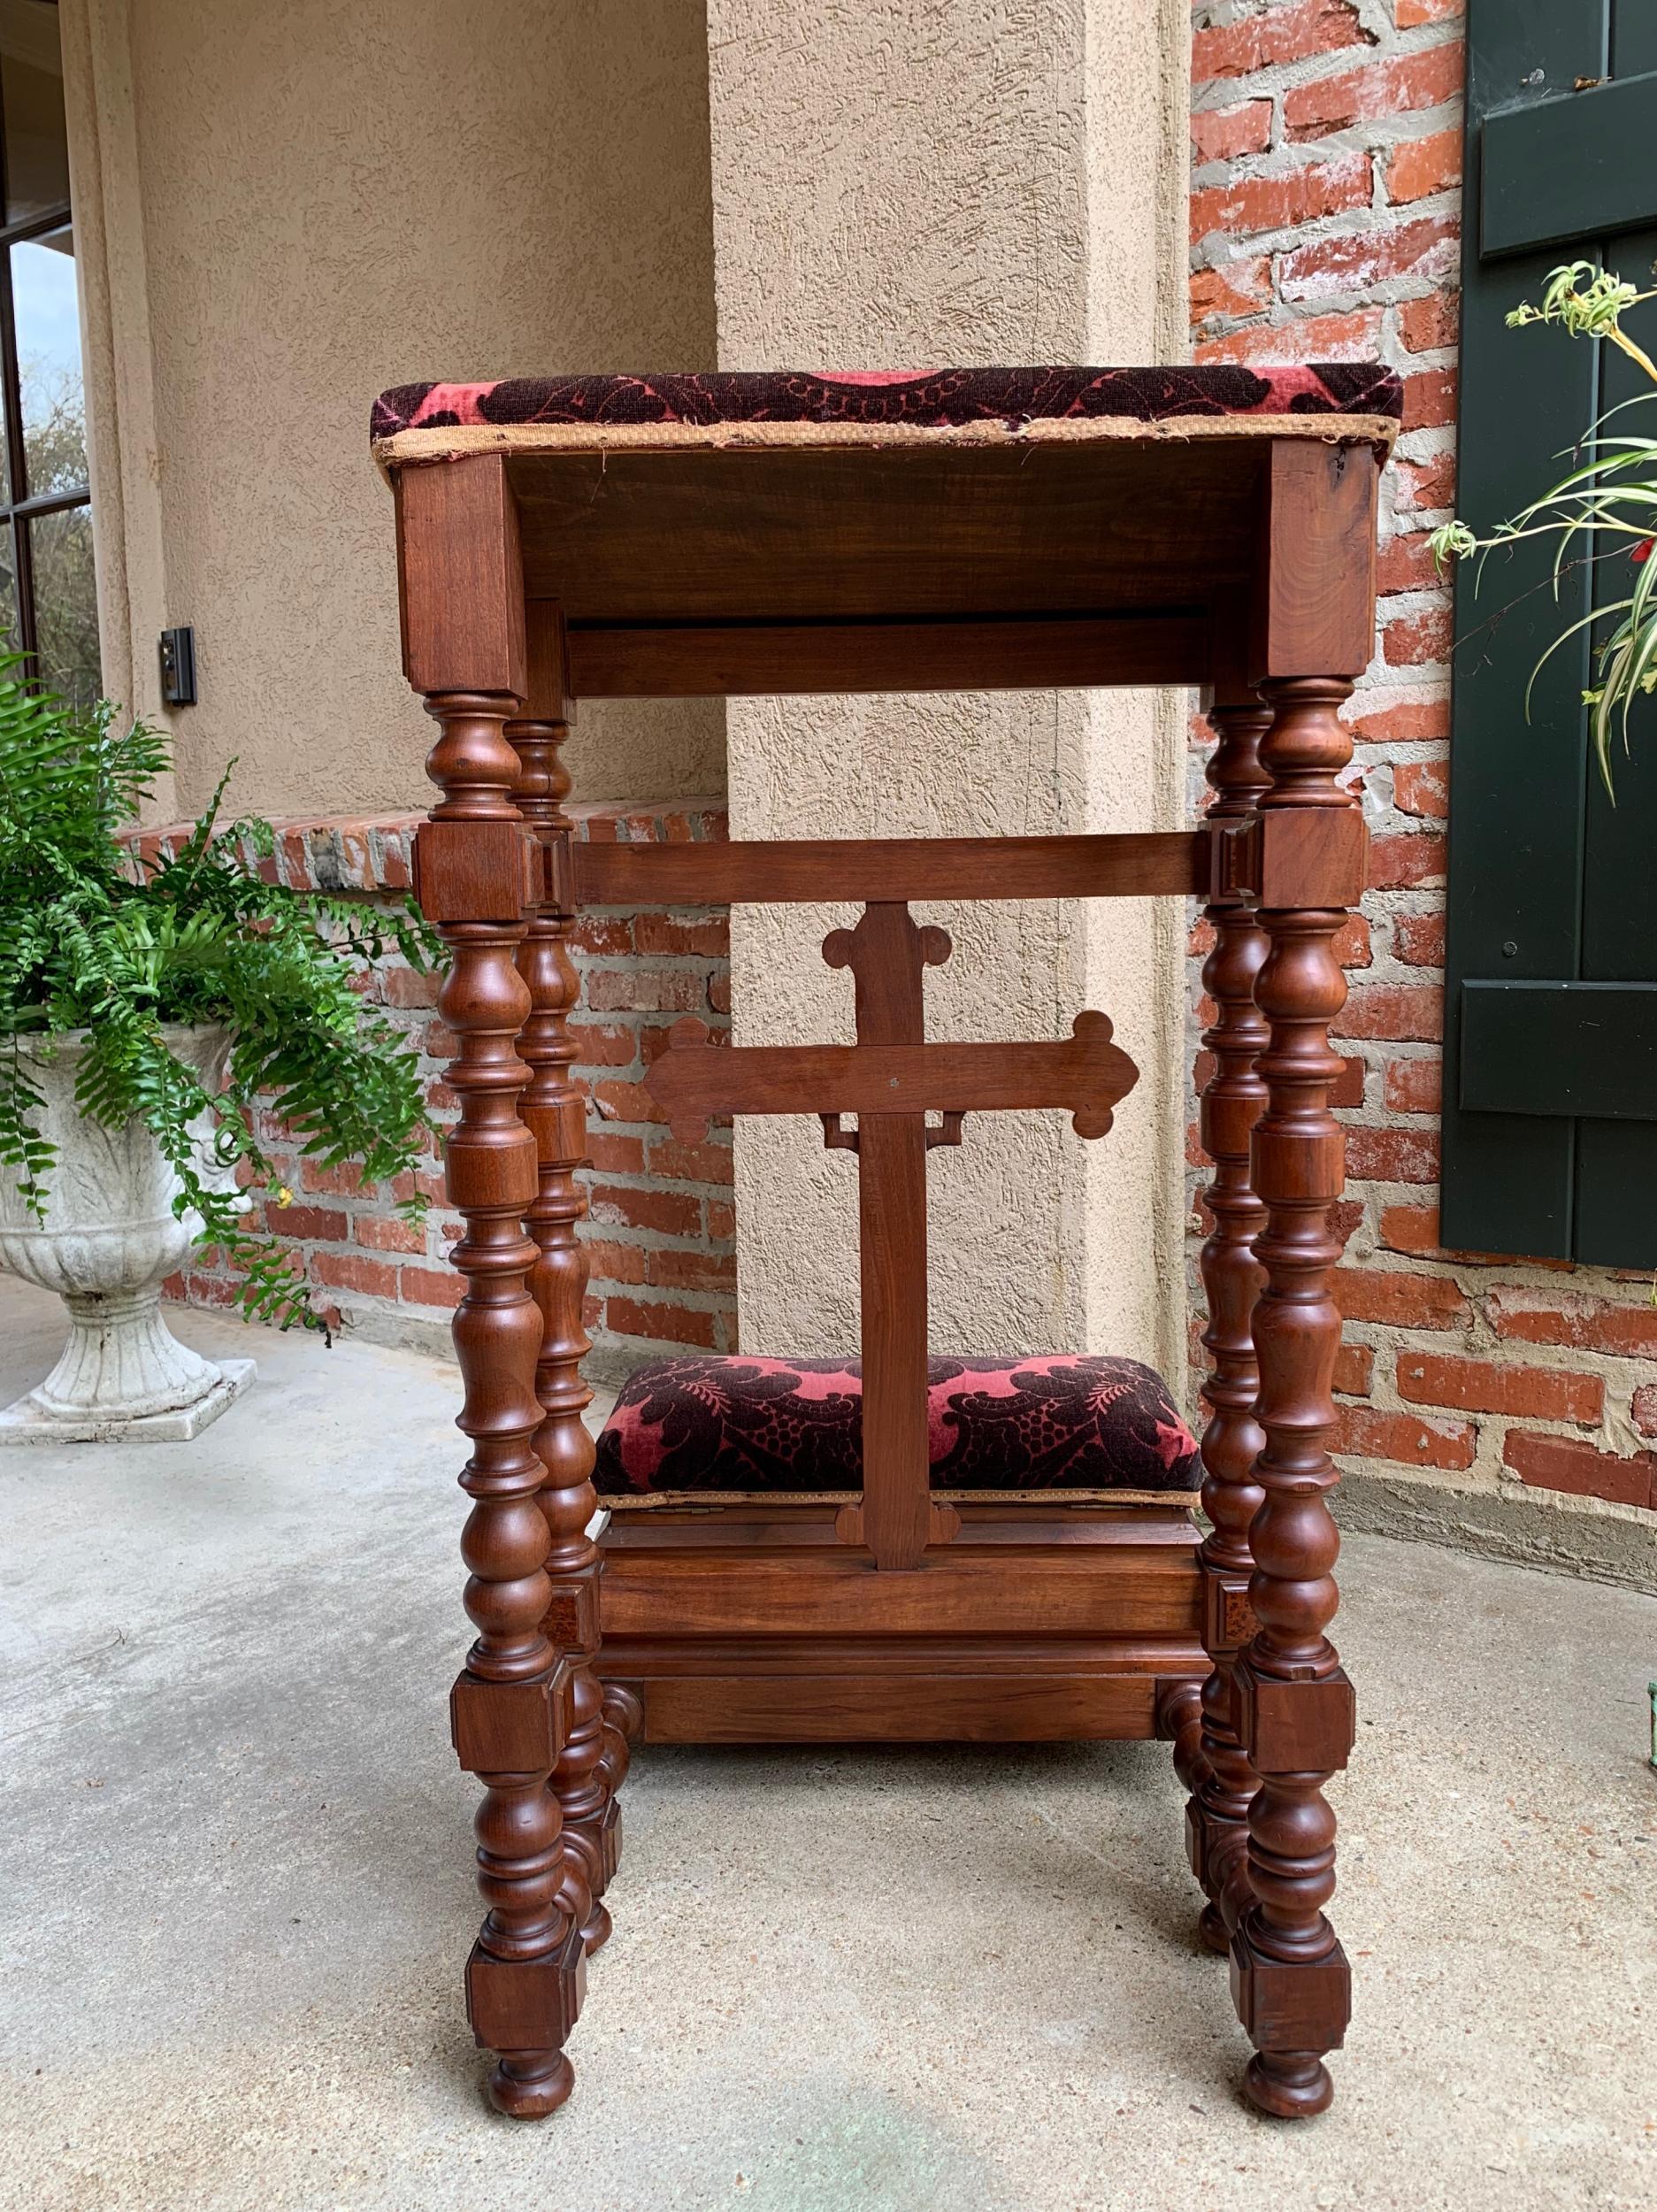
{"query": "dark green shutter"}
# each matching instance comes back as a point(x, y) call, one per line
point(1550, 1114)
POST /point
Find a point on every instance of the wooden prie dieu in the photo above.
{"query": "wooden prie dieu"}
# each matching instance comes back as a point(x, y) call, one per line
point(694, 536)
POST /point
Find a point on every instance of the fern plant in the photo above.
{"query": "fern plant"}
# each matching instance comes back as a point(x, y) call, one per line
point(91, 939)
point(1610, 495)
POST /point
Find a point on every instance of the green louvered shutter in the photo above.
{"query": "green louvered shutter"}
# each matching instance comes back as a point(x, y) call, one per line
point(1550, 1115)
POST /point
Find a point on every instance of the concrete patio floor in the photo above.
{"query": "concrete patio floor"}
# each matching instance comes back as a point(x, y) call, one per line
point(234, 1848)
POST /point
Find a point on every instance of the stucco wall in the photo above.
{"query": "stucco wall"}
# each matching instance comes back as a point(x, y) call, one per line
point(287, 208)
point(965, 183)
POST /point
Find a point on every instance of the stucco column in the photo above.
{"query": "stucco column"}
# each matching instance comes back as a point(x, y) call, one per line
point(968, 182)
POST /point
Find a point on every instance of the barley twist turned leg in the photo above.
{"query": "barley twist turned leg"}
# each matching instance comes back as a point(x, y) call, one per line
point(594, 1756)
point(523, 1979)
point(1294, 1704)
point(1216, 1824)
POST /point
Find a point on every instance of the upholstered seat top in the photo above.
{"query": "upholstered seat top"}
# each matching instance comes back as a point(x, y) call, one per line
point(784, 405)
point(705, 1426)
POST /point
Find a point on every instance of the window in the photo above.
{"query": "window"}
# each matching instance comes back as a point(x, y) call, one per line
point(47, 587)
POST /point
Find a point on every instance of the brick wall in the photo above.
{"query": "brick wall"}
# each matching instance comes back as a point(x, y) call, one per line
point(1325, 226)
point(660, 1232)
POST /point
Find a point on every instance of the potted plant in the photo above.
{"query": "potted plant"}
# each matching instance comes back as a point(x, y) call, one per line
point(144, 1009)
point(1606, 505)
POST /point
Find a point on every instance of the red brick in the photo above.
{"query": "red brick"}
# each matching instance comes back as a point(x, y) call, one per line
point(1380, 89)
point(1282, 33)
point(612, 1262)
point(1410, 640)
point(1405, 860)
point(1431, 324)
point(1354, 1369)
point(1587, 1325)
point(1403, 563)
point(1476, 1385)
point(673, 1269)
point(1412, 1012)
point(438, 1041)
point(1418, 939)
point(440, 1287)
point(603, 936)
point(708, 936)
point(1348, 1087)
point(1421, 786)
point(1235, 289)
point(1399, 1300)
point(1393, 1156)
point(647, 990)
point(670, 1213)
point(1428, 486)
point(1429, 399)
point(389, 1233)
point(1221, 133)
point(1364, 1432)
point(1643, 1409)
point(661, 1319)
point(1408, 722)
point(706, 1163)
point(1569, 1464)
point(1410, 1228)
point(345, 1270)
point(626, 1102)
point(1356, 336)
point(604, 1044)
point(612, 1154)
point(1415, 1086)
point(1423, 165)
point(1280, 202)
point(1357, 261)
point(406, 986)
point(721, 1219)
point(321, 1225)
point(719, 994)
point(344, 1181)
point(1351, 944)
point(1408, 13)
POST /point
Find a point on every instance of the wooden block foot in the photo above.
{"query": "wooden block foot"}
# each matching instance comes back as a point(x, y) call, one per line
point(530, 2085)
point(1288, 2085)
point(1212, 1932)
point(624, 1710)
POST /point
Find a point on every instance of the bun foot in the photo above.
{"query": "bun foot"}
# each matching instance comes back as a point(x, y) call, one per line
point(596, 1931)
point(1212, 1932)
point(1288, 2085)
point(531, 2086)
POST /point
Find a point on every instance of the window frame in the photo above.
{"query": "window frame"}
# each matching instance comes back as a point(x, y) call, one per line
point(16, 514)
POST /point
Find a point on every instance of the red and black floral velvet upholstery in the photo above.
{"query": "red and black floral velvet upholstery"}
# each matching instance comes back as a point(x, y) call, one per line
point(919, 398)
point(736, 1426)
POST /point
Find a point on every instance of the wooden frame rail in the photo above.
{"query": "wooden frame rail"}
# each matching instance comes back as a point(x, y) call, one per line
point(1258, 857)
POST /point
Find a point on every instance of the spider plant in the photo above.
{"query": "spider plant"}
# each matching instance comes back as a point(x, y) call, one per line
point(1611, 494)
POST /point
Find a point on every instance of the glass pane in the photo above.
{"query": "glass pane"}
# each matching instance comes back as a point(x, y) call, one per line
point(32, 94)
point(48, 363)
point(66, 603)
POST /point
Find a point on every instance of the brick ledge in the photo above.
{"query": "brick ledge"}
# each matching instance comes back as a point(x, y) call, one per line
point(371, 852)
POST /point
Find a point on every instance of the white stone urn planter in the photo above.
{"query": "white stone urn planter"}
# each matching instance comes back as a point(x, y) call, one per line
point(109, 1241)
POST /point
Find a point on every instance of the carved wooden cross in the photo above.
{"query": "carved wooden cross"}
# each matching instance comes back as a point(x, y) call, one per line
point(891, 1078)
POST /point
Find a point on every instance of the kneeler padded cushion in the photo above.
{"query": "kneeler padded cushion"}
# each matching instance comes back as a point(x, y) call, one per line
point(919, 398)
point(704, 1427)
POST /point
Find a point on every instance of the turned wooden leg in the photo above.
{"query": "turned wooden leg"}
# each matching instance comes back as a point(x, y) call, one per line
point(1217, 1818)
point(1294, 1706)
point(524, 1978)
point(594, 1755)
